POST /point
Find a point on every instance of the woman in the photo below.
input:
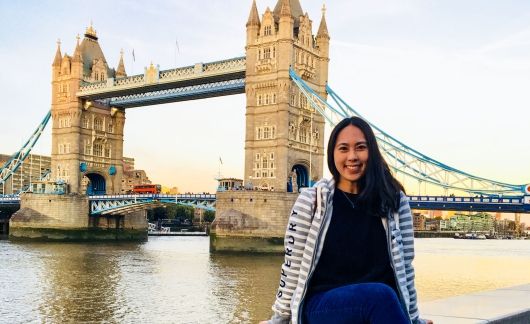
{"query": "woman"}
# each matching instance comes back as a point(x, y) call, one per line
point(349, 241)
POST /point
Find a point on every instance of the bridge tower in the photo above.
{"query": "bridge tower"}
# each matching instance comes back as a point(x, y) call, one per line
point(87, 137)
point(284, 142)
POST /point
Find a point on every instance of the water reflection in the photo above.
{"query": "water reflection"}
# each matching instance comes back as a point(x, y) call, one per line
point(243, 286)
point(81, 282)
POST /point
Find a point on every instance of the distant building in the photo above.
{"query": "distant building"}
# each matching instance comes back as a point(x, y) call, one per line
point(132, 177)
point(418, 221)
point(432, 225)
point(173, 191)
point(30, 171)
point(480, 222)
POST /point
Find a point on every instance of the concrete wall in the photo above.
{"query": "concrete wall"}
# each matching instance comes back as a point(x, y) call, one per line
point(250, 221)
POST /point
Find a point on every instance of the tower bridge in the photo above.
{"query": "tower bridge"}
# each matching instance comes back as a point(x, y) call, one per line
point(284, 75)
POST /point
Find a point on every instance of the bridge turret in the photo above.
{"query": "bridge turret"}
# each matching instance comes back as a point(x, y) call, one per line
point(120, 71)
point(56, 65)
point(77, 61)
point(253, 24)
point(286, 23)
point(322, 43)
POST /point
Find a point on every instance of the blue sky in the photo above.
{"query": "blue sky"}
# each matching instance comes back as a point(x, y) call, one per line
point(449, 78)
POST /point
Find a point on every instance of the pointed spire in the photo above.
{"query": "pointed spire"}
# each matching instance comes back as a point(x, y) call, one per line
point(58, 56)
point(77, 53)
point(253, 17)
point(285, 9)
point(120, 72)
point(323, 28)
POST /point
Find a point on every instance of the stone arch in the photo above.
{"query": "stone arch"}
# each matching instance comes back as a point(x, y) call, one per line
point(299, 176)
point(97, 184)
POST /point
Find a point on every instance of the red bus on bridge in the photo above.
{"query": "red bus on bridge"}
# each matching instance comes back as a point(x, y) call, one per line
point(147, 189)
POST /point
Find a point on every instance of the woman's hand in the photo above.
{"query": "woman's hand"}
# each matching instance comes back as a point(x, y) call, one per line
point(266, 322)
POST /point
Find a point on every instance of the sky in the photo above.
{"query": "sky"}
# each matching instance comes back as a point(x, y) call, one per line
point(450, 78)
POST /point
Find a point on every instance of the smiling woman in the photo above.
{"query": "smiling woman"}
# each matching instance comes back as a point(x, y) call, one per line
point(354, 233)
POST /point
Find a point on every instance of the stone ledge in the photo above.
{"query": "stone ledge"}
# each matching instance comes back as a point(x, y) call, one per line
point(502, 306)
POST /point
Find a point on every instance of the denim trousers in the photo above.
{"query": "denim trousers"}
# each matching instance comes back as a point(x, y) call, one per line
point(373, 303)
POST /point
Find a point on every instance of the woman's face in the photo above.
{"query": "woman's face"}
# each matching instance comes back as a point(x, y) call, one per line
point(351, 158)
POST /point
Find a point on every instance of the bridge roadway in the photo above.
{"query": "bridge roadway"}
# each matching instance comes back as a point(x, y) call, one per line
point(111, 204)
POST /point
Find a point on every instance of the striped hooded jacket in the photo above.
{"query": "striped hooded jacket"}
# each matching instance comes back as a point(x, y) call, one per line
point(304, 241)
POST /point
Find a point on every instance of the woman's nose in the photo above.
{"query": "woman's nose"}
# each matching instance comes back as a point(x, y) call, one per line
point(352, 155)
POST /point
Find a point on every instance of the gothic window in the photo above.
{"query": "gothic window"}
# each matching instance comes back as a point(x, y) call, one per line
point(257, 174)
point(98, 149)
point(273, 98)
point(85, 122)
point(271, 156)
point(258, 157)
point(61, 149)
point(111, 128)
point(265, 163)
point(268, 30)
point(273, 132)
point(303, 134)
point(293, 99)
point(259, 100)
point(259, 133)
point(107, 152)
point(267, 53)
point(303, 101)
point(98, 124)
point(272, 174)
point(266, 132)
point(267, 97)
point(88, 148)
point(264, 174)
point(274, 52)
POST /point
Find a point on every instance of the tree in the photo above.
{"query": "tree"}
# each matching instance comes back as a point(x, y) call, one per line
point(209, 216)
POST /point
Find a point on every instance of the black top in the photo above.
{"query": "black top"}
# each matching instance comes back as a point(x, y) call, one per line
point(355, 248)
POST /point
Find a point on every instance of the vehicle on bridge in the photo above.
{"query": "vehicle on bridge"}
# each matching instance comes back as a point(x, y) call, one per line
point(147, 189)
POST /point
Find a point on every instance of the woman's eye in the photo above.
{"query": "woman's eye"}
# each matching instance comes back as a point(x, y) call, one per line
point(361, 147)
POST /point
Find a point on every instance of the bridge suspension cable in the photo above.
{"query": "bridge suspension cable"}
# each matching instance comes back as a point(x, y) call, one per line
point(402, 158)
point(16, 160)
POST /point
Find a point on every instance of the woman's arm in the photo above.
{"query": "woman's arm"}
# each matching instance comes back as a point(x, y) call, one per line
point(407, 233)
point(294, 242)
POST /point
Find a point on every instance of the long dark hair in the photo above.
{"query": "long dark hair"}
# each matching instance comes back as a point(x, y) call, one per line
point(379, 191)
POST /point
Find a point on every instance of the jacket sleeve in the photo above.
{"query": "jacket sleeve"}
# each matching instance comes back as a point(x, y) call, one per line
point(407, 232)
point(294, 243)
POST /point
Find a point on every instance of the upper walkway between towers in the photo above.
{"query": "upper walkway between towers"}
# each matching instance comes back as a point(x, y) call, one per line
point(202, 80)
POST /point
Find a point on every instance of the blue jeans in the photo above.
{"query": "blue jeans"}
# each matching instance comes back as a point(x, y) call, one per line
point(373, 303)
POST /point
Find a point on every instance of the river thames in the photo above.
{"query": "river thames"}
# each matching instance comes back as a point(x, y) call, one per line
point(177, 280)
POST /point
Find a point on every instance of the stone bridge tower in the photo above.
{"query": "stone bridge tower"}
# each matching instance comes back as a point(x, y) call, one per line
point(87, 138)
point(284, 143)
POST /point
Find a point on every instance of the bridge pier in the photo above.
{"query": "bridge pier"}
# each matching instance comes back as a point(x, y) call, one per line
point(250, 221)
point(66, 218)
